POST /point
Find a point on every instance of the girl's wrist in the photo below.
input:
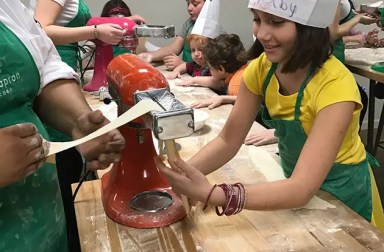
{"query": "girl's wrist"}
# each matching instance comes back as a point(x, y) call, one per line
point(218, 197)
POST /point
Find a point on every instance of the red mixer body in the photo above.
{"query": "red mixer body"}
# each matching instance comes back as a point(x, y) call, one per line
point(136, 172)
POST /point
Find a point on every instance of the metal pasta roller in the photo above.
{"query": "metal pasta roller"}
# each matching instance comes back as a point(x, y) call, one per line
point(176, 121)
point(373, 8)
point(155, 31)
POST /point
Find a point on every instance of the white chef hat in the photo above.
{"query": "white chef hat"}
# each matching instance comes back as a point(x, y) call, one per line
point(208, 22)
point(316, 13)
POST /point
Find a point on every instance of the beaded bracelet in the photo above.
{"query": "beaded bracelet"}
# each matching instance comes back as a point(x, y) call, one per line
point(235, 199)
point(209, 196)
point(95, 33)
point(229, 194)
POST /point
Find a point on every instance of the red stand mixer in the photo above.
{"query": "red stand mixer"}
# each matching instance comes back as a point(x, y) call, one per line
point(104, 52)
point(134, 193)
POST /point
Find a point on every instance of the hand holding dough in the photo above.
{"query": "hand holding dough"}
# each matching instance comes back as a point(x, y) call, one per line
point(139, 109)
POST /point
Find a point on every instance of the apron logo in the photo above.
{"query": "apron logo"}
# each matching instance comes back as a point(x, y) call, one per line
point(7, 81)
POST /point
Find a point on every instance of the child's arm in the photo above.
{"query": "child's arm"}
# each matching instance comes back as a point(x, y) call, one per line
point(205, 81)
point(261, 137)
point(178, 71)
point(358, 38)
point(215, 101)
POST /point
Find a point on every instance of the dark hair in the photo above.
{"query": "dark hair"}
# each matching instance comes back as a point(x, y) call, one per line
point(254, 52)
point(313, 46)
point(115, 7)
point(224, 51)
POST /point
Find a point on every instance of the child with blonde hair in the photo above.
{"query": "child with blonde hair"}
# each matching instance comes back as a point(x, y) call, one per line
point(198, 67)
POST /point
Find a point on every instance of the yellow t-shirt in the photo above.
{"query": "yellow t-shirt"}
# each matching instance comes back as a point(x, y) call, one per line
point(333, 83)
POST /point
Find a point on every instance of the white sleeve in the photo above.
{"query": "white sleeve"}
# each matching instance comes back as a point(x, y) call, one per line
point(61, 2)
point(345, 9)
point(53, 67)
point(48, 62)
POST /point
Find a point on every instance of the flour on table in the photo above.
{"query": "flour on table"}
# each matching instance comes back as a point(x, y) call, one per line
point(371, 56)
point(181, 89)
point(272, 171)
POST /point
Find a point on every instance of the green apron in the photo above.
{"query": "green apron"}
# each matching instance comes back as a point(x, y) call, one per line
point(339, 46)
point(350, 183)
point(31, 210)
point(187, 53)
point(117, 50)
point(70, 54)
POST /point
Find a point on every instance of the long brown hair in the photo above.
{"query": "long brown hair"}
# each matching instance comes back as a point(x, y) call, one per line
point(313, 46)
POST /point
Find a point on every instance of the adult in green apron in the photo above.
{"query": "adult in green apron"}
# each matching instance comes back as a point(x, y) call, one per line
point(70, 52)
point(339, 52)
point(342, 179)
point(347, 13)
point(69, 162)
point(31, 210)
point(180, 44)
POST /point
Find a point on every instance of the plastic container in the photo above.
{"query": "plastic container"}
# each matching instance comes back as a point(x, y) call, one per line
point(379, 67)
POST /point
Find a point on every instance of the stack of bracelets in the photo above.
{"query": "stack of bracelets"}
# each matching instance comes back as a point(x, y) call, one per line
point(234, 199)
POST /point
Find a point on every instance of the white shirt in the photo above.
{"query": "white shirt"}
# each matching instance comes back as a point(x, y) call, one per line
point(68, 11)
point(345, 9)
point(17, 18)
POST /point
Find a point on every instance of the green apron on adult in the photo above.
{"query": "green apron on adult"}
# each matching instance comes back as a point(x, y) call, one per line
point(339, 46)
point(350, 183)
point(31, 210)
point(70, 54)
point(187, 53)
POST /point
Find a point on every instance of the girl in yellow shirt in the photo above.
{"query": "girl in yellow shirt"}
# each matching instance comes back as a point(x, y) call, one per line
point(311, 100)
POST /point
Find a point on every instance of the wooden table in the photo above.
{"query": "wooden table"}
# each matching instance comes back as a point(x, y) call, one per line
point(333, 229)
point(355, 63)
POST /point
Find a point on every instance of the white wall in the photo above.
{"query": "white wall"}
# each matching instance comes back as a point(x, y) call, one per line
point(235, 16)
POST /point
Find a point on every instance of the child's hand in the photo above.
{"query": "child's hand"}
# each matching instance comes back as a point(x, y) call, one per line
point(372, 38)
point(263, 137)
point(211, 103)
point(186, 83)
point(366, 19)
point(172, 61)
point(110, 33)
point(173, 75)
point(189, 182)
point(147, 57)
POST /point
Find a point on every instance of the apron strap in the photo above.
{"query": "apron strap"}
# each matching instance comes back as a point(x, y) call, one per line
point(268, 78)
point(301, 92)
